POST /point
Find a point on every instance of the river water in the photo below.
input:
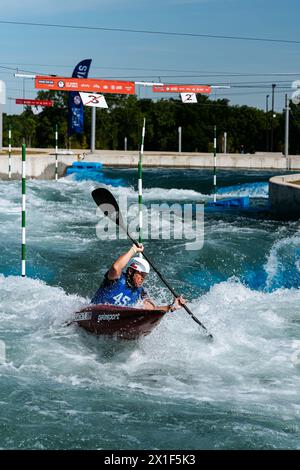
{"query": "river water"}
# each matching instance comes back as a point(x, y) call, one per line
point(62, 388)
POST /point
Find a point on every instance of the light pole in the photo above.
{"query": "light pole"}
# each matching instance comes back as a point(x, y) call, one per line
point(24, 76)
point(2, 102)
point(225, 142)
point(272, 117)
point(286, 140)
point(179, 138)
point(93, 129)
point(267, 130)
point(23, 94)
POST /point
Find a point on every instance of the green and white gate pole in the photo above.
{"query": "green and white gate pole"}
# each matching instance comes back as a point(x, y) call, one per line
point(140, 184)
point(56, 153)
point(9, 152)
point(215, 164)
point(23, 210)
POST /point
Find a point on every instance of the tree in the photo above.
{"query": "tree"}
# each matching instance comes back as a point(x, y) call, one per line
point(245, 126)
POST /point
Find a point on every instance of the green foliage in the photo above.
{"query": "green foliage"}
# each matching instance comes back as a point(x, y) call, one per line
point(246, 127)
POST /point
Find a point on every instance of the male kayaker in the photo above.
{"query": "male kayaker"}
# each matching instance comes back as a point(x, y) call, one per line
point(125, 288)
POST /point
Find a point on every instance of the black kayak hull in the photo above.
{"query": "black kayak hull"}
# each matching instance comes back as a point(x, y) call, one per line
point(122, 322)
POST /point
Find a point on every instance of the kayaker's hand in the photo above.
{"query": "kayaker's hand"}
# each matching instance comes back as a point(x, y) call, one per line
point(137, 249)
point(178, 303)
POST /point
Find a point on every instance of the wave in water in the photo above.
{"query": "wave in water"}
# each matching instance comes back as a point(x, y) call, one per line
point(244, 357)
point(254, 190)
point(60, 377)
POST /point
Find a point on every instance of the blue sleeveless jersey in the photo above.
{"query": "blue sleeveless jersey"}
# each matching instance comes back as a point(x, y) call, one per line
point(117, 292)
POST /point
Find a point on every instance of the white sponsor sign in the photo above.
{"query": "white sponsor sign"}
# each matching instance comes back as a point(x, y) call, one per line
point(296, 94)
point(188, 97)
point(36, 109)
point(93, 99)
point(2, 92)
point(82, 316)
point(111, 316)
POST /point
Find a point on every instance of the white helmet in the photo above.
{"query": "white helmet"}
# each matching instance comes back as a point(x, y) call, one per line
point(140, 264)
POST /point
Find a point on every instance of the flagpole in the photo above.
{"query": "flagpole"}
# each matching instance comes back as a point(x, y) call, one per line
point(56, 153)
point(215, 164)
point(23, 210)
point(9, 152)
point(140, 184)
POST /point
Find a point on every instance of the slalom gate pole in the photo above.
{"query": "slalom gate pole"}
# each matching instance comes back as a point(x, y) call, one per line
point(140, 184)
point(215, 164)
point(9, 153)
point(56, 153)
point(23, 210)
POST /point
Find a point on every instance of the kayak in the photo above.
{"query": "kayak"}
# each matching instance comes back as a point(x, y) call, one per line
point(122, 322)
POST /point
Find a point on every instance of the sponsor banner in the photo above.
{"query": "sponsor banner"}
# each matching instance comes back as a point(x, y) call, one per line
point(93, 99)
point(92, 85)
point(34, 102)
point(82, 69)
point(182, 89)
point(188, 97)
point(75, 106)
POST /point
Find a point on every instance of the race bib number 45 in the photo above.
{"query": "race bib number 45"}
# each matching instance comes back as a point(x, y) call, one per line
point(121, 299)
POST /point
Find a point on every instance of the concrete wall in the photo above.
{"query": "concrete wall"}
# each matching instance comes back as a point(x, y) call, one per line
point(284, 196)
point(199, 160)
point(40, 167)
point(42, 164)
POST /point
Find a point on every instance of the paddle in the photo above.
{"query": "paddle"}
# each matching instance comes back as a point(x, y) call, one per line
point(108, 204)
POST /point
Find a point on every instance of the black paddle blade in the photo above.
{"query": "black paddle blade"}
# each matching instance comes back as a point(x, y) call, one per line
point(104, 196)
point(108, 204)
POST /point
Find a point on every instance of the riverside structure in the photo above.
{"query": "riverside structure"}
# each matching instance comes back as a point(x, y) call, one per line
point(41, 163)
point(284, 195)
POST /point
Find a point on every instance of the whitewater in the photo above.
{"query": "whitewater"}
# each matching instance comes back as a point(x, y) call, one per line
point(62, 388)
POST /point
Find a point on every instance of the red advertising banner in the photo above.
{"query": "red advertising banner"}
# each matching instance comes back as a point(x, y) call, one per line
point(34, 102)
point(182, 89)
point(85, 84)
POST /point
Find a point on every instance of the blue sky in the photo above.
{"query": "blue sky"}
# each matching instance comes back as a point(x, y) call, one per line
point(173, 59)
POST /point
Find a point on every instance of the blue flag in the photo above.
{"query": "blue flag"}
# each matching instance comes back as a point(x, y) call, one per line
point(75, 119)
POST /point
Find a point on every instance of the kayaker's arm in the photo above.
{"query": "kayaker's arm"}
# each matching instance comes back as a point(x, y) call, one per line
point(178, 303)
point(118, 266)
